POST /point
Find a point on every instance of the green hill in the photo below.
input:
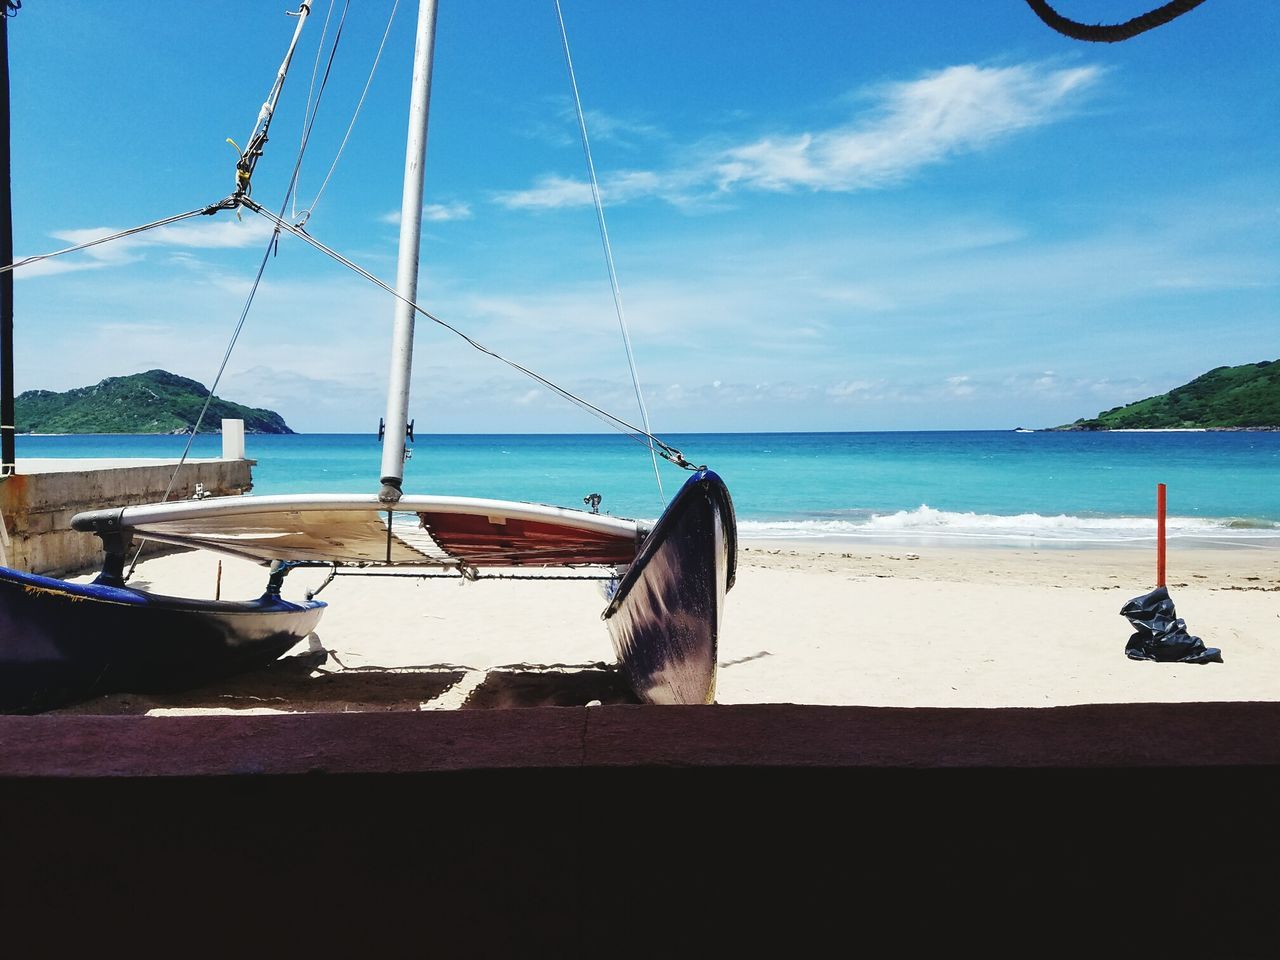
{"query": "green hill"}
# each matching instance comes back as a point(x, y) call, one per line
point(151, 402)
point(1225, 398)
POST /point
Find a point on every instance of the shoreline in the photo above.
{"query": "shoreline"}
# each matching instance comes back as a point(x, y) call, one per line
point(1224, 564)
point(1150, 430)
point(826, 543)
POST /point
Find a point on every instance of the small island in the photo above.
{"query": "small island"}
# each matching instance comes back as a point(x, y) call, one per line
point(1246, 397)
point(153, 402)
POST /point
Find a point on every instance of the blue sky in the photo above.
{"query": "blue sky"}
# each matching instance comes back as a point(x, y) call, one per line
point(824, 215)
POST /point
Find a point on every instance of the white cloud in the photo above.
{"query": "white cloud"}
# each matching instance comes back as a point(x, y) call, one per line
point(440, 212)
point(601, 128)
point(604, 127)
point(192, 235)
point(921, 122)
point(909, 126)
point(434, 212)
point(551, 192)
point(852, 390)
point(48, 268)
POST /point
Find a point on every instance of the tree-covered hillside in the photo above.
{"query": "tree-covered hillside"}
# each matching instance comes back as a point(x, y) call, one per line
point(153, 402)
point(1247, 396)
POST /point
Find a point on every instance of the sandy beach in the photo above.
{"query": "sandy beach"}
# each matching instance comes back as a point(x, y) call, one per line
point(818, 622)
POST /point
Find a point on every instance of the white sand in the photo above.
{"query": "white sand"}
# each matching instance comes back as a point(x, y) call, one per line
point(814, 623)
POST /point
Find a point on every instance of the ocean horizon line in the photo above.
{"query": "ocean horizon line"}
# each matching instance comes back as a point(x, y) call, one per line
point(670, 433)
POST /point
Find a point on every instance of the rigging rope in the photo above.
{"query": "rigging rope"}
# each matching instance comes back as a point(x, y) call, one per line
point(1112, 33)
point(667, 452)
point(310, 208)
point(608, 250)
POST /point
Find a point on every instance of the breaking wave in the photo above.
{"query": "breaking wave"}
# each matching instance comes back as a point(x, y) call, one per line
point(926, 523)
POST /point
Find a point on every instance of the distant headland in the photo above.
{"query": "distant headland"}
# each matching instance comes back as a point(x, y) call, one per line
point(1246, 397)
point(153, 402)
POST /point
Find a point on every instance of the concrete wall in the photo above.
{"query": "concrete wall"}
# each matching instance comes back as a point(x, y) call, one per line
point(38, 505)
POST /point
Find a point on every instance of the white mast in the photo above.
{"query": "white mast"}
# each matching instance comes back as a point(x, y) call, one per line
point(397, 418)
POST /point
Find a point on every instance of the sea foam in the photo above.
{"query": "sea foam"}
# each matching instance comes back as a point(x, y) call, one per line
point(927, 523)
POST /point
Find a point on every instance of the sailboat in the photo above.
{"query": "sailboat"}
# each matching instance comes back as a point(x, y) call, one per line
point(665, 583)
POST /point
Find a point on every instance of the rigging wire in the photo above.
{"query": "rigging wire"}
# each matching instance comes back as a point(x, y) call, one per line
point(343, 571)
point(608, 250)
point(315, 70)
point(667, 452)
point(272, 244)
point(310, 208)
point(203, 211)
point(245, 166)
point(242, 196)
point(311, 121)
point(1113, 32)
point(226, 356)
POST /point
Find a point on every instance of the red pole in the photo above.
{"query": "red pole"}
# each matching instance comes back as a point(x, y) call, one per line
point(1160, 501)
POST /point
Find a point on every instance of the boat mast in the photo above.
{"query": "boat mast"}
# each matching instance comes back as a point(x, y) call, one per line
point(397, 418)
point(7, 453)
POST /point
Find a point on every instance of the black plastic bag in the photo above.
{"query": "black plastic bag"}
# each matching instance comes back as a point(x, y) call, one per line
point(1160, 634)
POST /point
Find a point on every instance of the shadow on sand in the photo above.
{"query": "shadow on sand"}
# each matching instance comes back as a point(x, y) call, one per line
point(316, 682)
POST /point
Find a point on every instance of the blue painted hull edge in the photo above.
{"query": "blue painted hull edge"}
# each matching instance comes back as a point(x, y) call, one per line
point(664, 617)
point(62, 643)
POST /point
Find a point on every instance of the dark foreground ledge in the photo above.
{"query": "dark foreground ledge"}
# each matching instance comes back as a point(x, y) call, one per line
point(763, 736)
point(641, 831)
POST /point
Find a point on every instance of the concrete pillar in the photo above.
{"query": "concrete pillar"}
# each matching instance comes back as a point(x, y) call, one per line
point(233, 440)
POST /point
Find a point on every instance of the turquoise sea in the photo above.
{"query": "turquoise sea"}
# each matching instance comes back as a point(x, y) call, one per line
point(994, 486)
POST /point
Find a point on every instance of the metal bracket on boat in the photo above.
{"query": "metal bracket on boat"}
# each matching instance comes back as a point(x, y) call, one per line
point(333, 572)
point(279, 570)
point(382, 429)
point(99, 521)
point(115, 544)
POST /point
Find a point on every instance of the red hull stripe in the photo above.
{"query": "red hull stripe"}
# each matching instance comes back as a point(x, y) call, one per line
point(482, 540)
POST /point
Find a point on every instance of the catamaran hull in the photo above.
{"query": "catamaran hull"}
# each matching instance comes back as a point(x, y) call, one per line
point(664, 617)
point(61, 642)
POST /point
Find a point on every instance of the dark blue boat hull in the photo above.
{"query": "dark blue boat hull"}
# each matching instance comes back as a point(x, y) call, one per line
point(61, 643)
point(664, 617)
